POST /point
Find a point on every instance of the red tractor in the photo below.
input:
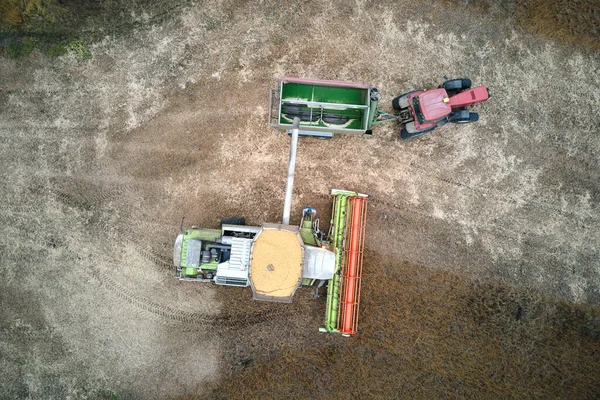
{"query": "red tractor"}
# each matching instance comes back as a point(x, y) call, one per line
point(422, 111)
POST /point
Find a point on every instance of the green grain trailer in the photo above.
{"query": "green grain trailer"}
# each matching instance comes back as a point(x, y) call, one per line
point(325, 107)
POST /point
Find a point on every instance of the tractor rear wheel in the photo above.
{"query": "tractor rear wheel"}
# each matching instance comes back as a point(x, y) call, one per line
point(233, 221)
point(473, 117)
point(400, 102)
point(404, 134)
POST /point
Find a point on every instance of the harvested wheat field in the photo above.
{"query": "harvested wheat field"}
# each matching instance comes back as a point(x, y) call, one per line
point(481, 275)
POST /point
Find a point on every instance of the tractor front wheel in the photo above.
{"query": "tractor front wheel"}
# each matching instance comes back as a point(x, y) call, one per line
point(404, 134)
point(457, 85)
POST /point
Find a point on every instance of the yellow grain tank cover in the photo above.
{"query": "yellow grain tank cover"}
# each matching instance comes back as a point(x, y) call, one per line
point(276, 263)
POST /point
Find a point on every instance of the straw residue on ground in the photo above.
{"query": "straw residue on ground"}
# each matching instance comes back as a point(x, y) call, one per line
point(481, 276)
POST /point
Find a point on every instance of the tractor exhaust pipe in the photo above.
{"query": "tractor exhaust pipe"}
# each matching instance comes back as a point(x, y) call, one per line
point(287, 204)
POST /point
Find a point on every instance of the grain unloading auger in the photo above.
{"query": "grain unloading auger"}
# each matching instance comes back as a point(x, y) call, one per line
point(276, 259)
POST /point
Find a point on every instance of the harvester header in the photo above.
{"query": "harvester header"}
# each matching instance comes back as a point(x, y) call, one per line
point(347, 233)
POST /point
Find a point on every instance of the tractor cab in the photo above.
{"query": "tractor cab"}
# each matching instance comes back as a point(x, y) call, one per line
point(426, 108)
point(431, 105)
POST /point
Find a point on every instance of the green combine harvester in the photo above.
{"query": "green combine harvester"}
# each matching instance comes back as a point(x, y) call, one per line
point(276, 259)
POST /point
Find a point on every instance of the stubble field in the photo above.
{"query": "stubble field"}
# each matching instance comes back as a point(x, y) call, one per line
point(481, 277)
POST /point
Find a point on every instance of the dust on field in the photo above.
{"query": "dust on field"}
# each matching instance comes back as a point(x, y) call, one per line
point(101, 157)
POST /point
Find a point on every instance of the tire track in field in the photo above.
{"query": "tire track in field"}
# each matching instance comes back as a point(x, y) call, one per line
point(72, 200)
point(160, 261)
point(21, 208)
point(91, 192)
point(126, 233)
point(226, 320)
point(501, 197)
point(150, 255)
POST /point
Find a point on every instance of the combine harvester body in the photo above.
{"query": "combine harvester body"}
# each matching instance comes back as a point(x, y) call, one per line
point(228, 256)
